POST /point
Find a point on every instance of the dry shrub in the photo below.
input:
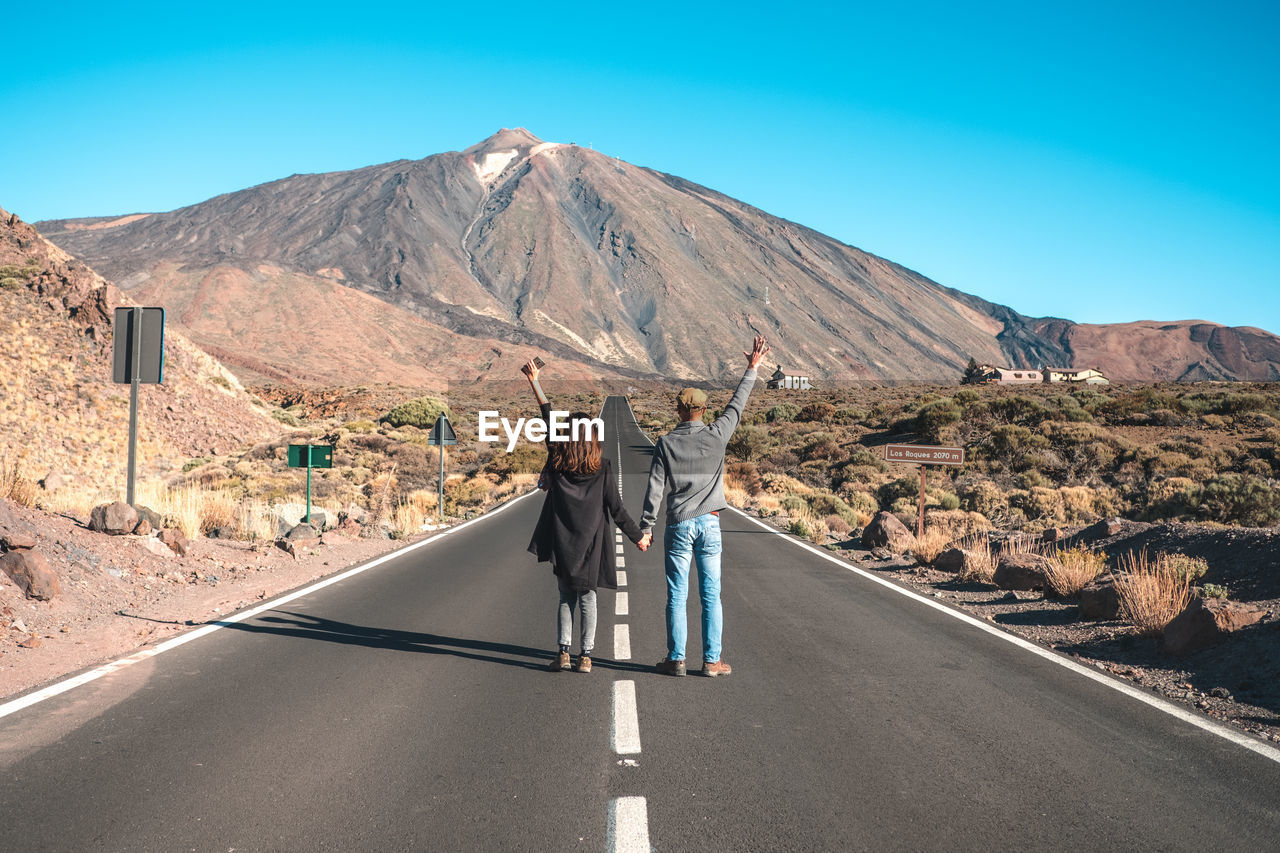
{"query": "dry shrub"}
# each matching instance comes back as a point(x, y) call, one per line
point(254, 521)
point(17, 487)
point(838, 525)
point(1151, 591)
point(928, 546)
point(743, 476)
point(218, 511)
point(1069, 570)
point(982, 564)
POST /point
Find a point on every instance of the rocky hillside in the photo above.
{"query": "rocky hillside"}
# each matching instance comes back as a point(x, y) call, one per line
point(61, 414)
point(516, 242)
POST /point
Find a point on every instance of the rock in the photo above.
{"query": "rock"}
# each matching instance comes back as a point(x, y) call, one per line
point(153, 518)
point(1104, 529)
point(143, 528)
point(1053, 534)
point(296, 547)
point(886, 531)
point(175, 540)
point(333, 537)
point(301, 531)
point(30, 571)
point(1099, 599)
point(350, 527)
point(1207, 621)
point(7, 521)
point(115, 519)
point(353, 512)
point(17, 541)
point(155, 546)
point(1020, 571)
point(53, 481)
point(955, 560)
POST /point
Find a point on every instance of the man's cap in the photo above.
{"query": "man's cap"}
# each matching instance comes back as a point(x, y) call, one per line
point(693, 398)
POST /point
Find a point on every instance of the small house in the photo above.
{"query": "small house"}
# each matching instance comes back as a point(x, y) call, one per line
point(1014, 376)
point(779, 379)
point(1083, 375)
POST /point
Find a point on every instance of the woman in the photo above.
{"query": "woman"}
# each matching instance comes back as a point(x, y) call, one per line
point(574, 531)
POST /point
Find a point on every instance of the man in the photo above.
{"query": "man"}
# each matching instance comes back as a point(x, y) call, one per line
point(688, 465)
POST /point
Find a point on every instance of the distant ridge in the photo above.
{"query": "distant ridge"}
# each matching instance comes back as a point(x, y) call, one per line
point(516, 245)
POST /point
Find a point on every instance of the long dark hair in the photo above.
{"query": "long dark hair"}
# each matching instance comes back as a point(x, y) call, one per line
point(578, 456)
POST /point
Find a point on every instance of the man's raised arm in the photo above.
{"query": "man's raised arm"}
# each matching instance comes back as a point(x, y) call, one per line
point(724, 425)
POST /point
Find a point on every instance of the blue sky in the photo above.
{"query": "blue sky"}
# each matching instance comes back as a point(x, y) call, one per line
point(1085, 161)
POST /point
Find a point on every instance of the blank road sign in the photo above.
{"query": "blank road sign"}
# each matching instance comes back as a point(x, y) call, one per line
point(151, 352)
point(321, 455)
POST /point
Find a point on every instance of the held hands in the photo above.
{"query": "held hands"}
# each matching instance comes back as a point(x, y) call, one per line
point(645, 541)
point(759, 349)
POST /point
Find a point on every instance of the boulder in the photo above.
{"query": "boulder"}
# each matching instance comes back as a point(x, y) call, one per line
point(886, 531)
point(116, 519)
point(14, 541)
point(1103, 529)
point(1099, 600)
point(53, 481)
point(155, 546)
point(7, 521)
point(1020, 571)
point(349, 527)
point(1053, 534)
point(31, 572)
point(153, 518)
point(175, 540)
point(301, 531)
point(956, 560)
point(143, 528)
point(1207, 621)
point(355, 513)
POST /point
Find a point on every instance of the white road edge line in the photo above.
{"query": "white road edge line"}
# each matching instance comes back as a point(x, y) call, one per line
point(1159, 704)
point(621, 604)
point(626, 725)
point(628, 825)
point(622, 642)
point(94, 674)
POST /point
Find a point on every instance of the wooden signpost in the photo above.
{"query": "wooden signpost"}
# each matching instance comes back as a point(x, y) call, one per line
point(923, 455)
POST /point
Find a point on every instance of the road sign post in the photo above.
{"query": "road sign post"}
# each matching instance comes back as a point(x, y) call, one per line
point(310, 456)
point(137, 358)
point(441, 434)
point(923, 455)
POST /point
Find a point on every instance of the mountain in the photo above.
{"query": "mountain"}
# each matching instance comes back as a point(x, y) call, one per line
point(62, 414)
point(516, 245)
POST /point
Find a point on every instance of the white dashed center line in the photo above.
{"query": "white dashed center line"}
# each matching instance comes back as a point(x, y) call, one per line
point(629, 825)
point(622, 577)
point(626, 724)
point(622, 642)
point(621, 604)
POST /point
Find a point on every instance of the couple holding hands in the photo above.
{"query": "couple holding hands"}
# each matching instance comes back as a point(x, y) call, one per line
point(583, 502)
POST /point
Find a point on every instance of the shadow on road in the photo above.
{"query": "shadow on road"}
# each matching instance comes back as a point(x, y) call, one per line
point(288, 624)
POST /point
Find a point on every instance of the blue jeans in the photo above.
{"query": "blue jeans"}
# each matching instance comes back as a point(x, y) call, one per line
point(694, 540)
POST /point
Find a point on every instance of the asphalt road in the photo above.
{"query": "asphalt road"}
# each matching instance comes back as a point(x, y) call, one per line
point(408, 708)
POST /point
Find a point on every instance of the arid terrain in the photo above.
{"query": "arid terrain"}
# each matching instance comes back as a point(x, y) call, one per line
point(467, 261)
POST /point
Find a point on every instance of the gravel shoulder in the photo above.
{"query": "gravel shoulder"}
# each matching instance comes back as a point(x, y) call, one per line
point(1236, 682)
point(119, 595)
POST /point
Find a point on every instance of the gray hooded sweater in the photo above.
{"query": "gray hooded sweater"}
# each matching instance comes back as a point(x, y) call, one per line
point(688, 464)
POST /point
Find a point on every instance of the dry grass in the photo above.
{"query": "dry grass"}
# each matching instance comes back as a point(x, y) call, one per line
point(15, 486)
point(1151, 592)
point(982, 565)
point(934, 541)
point(255, 521)
point(412, 513)
point(1069, 570)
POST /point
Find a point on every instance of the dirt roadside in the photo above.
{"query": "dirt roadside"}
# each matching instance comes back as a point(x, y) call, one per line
point(121, 593)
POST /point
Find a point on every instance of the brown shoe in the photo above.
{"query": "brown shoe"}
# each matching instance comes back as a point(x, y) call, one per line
point(714, 668)
point(559, 662)
point(670, 667)
point(584, 664)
